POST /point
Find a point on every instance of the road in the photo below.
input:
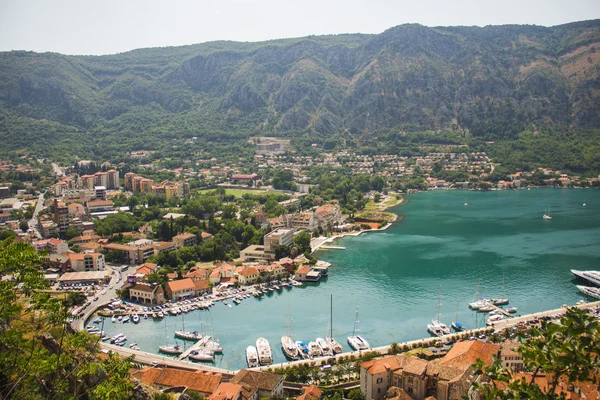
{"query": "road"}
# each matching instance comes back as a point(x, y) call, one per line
point(57, 170)
point(33, 222)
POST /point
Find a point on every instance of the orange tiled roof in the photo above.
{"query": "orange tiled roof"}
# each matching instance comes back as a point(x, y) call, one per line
point(464, 354)
point(226, 391)
point(260, 380)
point(181, 284)
point(381, 365)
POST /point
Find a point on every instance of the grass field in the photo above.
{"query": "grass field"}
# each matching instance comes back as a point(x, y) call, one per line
point(239, 192)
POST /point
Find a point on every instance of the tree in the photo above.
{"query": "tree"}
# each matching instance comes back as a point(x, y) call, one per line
point(356, 394)
point(566, 350)
point(23, 225)
point(72, 232)
point(281, 252)
point(302, 241)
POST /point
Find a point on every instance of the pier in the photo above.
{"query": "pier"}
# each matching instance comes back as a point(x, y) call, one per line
point(333, 248)
point(195, 346)
point(501, 311)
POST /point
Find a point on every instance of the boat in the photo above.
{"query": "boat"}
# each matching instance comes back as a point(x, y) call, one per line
point(183, 334)
point(145, 316)
point(263, 347)
point(314, 350)
point(466, 204)
point(494, 318)
point(325, 348)
point(252, 357)
point(97, 320)
point(287, 343)
point(120, 318)
point(356, 341)
point(457, 326)
point(176, 349)
point(289, 348)
point(125, 319)
point(201, 356)
point(303, 350)
point(511, 309)
point(334, 344)
point(160, 314)
point(437, 327)
point(135, 318)
point(590, 291)
point(486, 308)
point(113, 319)
point(237, 301)
point(592, 277)
point(547, 214)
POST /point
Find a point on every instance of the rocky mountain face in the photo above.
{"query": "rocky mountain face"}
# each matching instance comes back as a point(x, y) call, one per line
point(492, 81)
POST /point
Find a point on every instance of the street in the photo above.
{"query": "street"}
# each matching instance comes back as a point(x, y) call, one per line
point(33, 222)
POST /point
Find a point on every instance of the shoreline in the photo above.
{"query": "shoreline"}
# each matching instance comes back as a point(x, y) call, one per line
point(330, 239)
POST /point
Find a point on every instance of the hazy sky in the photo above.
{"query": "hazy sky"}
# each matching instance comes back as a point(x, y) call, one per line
point(114, 26)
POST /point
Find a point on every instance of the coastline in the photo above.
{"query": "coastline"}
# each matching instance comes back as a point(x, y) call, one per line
point(330, 239)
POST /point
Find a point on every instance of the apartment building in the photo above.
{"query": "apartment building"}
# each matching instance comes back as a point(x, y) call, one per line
point(85, 262)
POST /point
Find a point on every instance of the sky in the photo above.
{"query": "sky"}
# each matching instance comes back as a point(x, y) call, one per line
point(98, 27)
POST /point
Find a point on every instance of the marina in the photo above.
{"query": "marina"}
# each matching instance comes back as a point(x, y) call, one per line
point(394, 276)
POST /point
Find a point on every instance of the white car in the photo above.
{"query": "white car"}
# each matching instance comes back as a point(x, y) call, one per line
point(110, 287)
point(103, 292)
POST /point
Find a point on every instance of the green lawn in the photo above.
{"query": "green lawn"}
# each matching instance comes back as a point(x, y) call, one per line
point(239, 192)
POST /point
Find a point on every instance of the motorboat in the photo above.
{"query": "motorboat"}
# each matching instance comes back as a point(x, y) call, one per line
point(494, 318)
point(499, 301)
point(201, 356)
point(592, 277)
point(97, 320)
point(314, 350)
point(590, 291)
point(511, 309)
point(303, 350)
point(265, 356)
point(334, 344)
point(325, 348)
point(457, 326)
point(125, 319)
point(252, 357)
point(113, 319)
point(289, 348)
point(135, 318)
point(547, 214)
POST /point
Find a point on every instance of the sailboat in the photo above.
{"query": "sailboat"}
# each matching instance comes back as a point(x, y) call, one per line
point(169, 349)
point(584, 203)
point(457, 326)
point(287, 343)
point(498, 301)
point(437, 327)
point(466, 204)
point(212, 345)
point(547, 214)
point(356, 341)
point(335, 346)
point(183, 334)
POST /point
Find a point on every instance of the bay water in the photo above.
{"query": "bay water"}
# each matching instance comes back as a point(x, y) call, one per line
point(498, 242)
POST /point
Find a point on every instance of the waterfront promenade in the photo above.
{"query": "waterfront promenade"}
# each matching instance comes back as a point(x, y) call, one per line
point(157, 359)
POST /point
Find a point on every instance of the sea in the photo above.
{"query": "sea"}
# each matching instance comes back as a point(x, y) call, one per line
point(449, 248)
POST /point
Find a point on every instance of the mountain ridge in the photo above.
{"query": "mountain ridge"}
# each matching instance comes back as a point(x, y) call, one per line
point(490, 82)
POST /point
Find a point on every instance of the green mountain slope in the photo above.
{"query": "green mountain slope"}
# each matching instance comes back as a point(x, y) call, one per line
point(492, 82)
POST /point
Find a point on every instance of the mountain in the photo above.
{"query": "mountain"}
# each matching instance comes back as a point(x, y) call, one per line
point(491, 82)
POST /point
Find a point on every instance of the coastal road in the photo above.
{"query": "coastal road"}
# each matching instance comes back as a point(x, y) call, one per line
point(57, 170)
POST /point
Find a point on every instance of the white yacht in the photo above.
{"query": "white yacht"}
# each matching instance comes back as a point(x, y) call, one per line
point(335, 346)
point(195, 335)
point(355, 341)
point(314, 350)
point(437, 327)
point(547, 214)
point(325, 347)
point(171, 349)
point(289, 348)
point(303, 350)
point(592, 277)
point(263, 347)
point(511, 309)
point(590, 291)
point(252, 357)
point(201, 356)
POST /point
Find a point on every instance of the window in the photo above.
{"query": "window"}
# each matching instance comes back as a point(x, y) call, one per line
point(378, 390)
point(379, 380)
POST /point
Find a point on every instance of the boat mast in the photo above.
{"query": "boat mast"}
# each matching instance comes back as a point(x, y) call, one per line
point(355, 323)
point(331, 316)
point(440, 304)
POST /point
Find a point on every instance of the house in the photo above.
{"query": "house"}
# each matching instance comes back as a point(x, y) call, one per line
point(145, 293)
point(447, 378)
point(246, 275)
point(306, 221)
point(307, 274)
point(222, 271)
point(202, 286)
point(53, 246)
point(185, 240)
point(510, 357)
point(206, 236)
point(87, 261)
point(278, 237)
point(287, 264)
point(196, 273)
point(230, 391)
point(144, 270)
point(181, 289)
point(79, 240)
point(267, 384)
point(256, 252)
point(328, 215)
point(311, 392)
point(203, 383)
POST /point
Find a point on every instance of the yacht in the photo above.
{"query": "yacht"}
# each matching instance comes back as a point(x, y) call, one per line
point(171, 349)
point(314, 350)
point(511, 309)
point(499, 301)
point(289, 348)
point(195, 335)
point(201, 356)
point(335, 346)
point(355, 341)
point(252, 357)
point(547, 214)
point(592, 277)
point(325, 347)
point(437, 327)
point(264, 351)
point(590, 291)
point(303, 350)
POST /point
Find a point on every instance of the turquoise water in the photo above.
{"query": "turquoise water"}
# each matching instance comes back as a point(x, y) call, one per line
point(395, 276)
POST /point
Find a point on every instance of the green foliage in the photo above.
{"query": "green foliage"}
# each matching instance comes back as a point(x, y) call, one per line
point(115, 223)
point(302, 241)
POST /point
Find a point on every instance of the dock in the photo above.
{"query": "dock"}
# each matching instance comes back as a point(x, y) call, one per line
point(195, 346)
point(333, 247)
point(502, 311)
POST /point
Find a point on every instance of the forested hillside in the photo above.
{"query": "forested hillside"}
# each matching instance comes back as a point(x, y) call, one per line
point(490, 83)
